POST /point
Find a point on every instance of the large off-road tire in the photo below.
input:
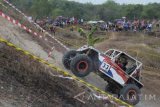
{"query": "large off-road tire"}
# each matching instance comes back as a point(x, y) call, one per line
point(112, 88)
point(81, 65)
point(67, 57)
point(109, 88)
point(130, 94)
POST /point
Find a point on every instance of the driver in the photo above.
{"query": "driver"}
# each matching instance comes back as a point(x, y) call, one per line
point(122, 62)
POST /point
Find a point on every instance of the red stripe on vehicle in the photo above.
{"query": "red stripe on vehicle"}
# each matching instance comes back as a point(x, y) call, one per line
point(117, 69)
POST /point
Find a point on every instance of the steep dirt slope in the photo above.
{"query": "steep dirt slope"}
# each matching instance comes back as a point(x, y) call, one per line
point(40, 48)
point(25, 82)
point(24, 40)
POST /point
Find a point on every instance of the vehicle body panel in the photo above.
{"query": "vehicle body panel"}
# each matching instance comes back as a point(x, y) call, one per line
point(112, 70)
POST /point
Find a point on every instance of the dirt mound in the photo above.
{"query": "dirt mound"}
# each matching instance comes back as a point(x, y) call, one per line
point(26, 83)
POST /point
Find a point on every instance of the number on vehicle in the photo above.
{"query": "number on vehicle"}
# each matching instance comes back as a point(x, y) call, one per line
point(104, 66)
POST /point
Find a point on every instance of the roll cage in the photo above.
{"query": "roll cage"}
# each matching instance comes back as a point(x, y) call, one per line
point(114, 54)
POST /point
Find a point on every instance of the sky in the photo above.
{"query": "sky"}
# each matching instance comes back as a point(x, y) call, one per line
point(119, 1)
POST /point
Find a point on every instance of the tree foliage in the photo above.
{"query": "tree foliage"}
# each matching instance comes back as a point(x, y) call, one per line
point(109, 10)
point(89, 36)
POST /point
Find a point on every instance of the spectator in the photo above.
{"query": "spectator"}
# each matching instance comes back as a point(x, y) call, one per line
point(150, 27)
point(125, 25)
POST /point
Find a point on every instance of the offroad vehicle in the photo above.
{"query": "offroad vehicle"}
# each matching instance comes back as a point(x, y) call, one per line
point(120, 70)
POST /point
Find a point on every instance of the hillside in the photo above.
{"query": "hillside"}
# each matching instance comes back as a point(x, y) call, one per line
point(27, 83)
point(27, 79)
point(37, 88)
point(38, 47)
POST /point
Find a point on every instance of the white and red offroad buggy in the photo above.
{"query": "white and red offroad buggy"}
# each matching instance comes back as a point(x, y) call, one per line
point(120, 70)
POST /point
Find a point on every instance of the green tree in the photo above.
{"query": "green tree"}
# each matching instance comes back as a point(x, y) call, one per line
point(151, 11)
point(40, 8)
point(110, 10)
point(89, 36)
point(57, 12)
point(133, 11)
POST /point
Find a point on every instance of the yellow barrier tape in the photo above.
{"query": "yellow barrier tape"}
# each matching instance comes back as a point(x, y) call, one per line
point(62, 71)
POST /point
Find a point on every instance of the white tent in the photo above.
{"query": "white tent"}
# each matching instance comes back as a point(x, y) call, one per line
point(101, 21)
point(92, 22)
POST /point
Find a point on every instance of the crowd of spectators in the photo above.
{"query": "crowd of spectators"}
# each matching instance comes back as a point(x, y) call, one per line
point(130, 25)
point(60, 21)
point(136, 25)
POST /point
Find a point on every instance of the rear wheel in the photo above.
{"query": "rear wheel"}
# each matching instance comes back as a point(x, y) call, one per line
point(67, 57)
point(130, 94)
point(112, 88)
point(108, 88)
point(81, 65)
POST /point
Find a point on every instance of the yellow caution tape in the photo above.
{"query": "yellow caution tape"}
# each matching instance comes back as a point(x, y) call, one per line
point(64, 72)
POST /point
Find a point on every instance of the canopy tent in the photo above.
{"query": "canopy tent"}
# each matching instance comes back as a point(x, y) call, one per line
point(95, 22)
point(92, 22)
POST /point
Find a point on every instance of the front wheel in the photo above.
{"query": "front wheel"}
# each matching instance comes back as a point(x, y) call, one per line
point(67, 57)
point(81, 65)
point(130, 94)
